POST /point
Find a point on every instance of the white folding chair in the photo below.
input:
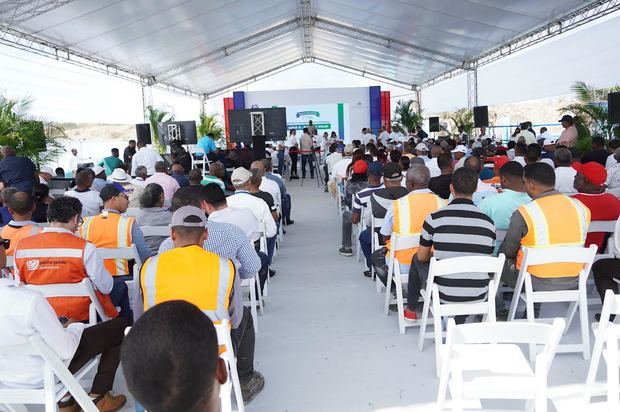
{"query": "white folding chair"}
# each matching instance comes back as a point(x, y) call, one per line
point(56, 193)
point(81, 289)
point(127, 253)
point(361, 226)
point(227, 353)
point(57, 380)
point(452, 266)
point(340, 194)
point(601, 332)
point(254, 284)
point(398, 243)
point(576, 297)
point(163, 231)
point(483, 361)
point(600, 226)
point(132, 212)
point(201, 163)
point(260, 236)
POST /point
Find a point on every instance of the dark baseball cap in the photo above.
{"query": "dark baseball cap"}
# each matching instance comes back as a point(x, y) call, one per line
point(566, 118)
point(109, 191)
point(392, 170)
point(375, 168)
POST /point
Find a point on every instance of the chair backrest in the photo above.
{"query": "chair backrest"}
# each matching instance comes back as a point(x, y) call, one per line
point(403, 242)
point(56, 193)
point(506, 332)
point(500, 235)
point(560, 254)
point(65, 290)
point(163, 231)
point(130, 252)
point(613, 363)
point(10, 262)
point(132, 212)
point(606, 226)
point(469, 264)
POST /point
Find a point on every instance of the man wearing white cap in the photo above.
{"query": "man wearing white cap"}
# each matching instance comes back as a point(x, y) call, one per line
point(459, 153)
point(243, 199)
point(422, 151)
point(548, 147)
point(46, 174)
point(133, 191)
point(100, 178)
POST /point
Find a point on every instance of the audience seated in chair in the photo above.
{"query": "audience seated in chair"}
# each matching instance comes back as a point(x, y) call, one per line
point(21, 205)
point(152, 213)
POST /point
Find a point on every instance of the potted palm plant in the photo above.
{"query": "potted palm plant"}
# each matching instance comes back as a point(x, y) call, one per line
point(210, 123)
point(157, 116)
point(405, 119)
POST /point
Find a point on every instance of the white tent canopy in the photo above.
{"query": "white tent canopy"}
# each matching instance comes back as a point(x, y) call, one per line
point(202, 48)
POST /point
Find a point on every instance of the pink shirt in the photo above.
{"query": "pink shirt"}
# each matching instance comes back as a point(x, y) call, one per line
point(168, 183)
point(568, 137)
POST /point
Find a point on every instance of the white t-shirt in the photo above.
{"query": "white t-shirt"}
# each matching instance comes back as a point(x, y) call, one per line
point(384, 135)
point(147, 157)
point(242, 218)
point(244, 200)
point(292, 141)
point(340, 168)
point(90, 200)
point(433, 167)
point(564, 178)
point(611, 162)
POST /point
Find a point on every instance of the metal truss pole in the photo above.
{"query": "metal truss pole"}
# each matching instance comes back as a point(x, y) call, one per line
point(203, 104)
point(472, 88)
point(418, 100)
point(306, 29)
point(147, 100)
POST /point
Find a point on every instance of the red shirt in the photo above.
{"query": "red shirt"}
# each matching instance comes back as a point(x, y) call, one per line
point(604, 206)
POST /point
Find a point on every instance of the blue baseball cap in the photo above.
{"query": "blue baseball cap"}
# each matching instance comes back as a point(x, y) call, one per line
point(340, 148)
point(375, 168)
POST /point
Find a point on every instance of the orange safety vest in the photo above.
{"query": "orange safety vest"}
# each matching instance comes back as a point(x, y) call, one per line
point(109, 230)
point(52, 257)
point(409, 214)
point(192, 274)
point(15, 234)
point(554, 220)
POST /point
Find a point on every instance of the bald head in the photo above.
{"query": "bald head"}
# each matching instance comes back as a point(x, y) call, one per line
point(418, 177)
point(21, 206)
point(7, 151)
point(257, 164)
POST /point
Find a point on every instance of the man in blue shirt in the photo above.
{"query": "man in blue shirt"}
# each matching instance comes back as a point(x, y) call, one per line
point(206, 144)
point(17, 172)
point(500, 207)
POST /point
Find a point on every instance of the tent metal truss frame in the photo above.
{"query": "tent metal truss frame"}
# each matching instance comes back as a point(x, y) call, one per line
point(17, 11)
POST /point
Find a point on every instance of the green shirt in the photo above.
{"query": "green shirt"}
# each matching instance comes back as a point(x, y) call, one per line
point(110, 163)
point(212, 179)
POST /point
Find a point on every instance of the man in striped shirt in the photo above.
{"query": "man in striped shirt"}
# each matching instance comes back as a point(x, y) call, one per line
point(459, 229)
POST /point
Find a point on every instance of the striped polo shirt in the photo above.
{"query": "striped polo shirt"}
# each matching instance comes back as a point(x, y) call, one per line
point(460, 229)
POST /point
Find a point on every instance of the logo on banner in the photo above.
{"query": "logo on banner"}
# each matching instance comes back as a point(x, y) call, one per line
point(308, 113)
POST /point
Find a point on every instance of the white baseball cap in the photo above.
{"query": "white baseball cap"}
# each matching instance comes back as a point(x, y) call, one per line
point(97, 169)
point(460, 149)
point(549, 141)
point(48, 170)
point(421, 147)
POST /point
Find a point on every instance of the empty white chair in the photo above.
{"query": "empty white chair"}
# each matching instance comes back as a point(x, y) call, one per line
point(601, 331)
point(81, 289)
point(54, 370)
point(201, 162)
point(163, 231)
point(451, 266)
point(398, 243)
point(483, 361)
point(576, 297)
point(227, 353)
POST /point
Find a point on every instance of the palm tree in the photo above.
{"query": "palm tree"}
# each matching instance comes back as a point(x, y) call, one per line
point(405, 119)
point(461, 117)
point(210, 123)
point(31, 137)
point(591, 115)
point(157, 116)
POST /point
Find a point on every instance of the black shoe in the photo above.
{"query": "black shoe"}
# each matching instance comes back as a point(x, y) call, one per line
point(345, 251)
point(290, 222)
point(367, 273)
point(598, 317)
point(251, 386)
point(272, 273)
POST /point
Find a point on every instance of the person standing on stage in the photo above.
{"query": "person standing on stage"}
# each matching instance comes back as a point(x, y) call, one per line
point(312, 129)
point(307, 156)
point(293, 150)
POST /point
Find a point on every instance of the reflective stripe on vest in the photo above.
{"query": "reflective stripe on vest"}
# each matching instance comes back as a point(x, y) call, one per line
point(409, 214)
point(555, 220)
point(191, 274)
point(39, 263)
point(15, 234)
point(109, 230)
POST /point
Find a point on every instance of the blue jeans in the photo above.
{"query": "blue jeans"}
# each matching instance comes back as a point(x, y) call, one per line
point(120, 297)
point(365, 245)
point(271, 245)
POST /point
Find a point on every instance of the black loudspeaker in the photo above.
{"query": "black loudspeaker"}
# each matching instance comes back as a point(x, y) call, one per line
point(143, 133)
point(258, 147)
point(613, 107)
point(433, 124)
point(481, 116)
point(183, 132)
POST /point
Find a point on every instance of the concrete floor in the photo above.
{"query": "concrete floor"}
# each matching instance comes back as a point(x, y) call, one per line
point(324, 343)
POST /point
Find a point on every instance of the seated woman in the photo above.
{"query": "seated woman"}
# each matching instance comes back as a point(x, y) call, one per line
point(152, 213)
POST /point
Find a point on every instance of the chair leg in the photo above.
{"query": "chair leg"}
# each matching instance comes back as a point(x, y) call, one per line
point(422, 332)
point(438, 332)
point(529, 308)
point(515, 299)
point(583, 323)
point(236, 386)
point(253, 303)
point(49, 385)
point(570, 315)
point(388, 281)
point(260, 295)
point(400, 304)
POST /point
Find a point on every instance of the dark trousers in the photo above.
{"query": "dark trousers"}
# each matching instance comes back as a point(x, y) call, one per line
point(418, 273)
point(293, 156)
point(307, 159)
point(286, 207)
point(264, 268)
point(281, 165)
point(326, 173)
point(103, 339)
point(120, 298)
point(605, 271)
point(365, 245)
point(243, 340)
point(379, 265)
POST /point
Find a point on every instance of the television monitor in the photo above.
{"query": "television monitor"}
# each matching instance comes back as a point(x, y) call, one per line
point(240, 124)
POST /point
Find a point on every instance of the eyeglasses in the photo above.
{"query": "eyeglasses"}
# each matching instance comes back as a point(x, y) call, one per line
point(80, 222)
